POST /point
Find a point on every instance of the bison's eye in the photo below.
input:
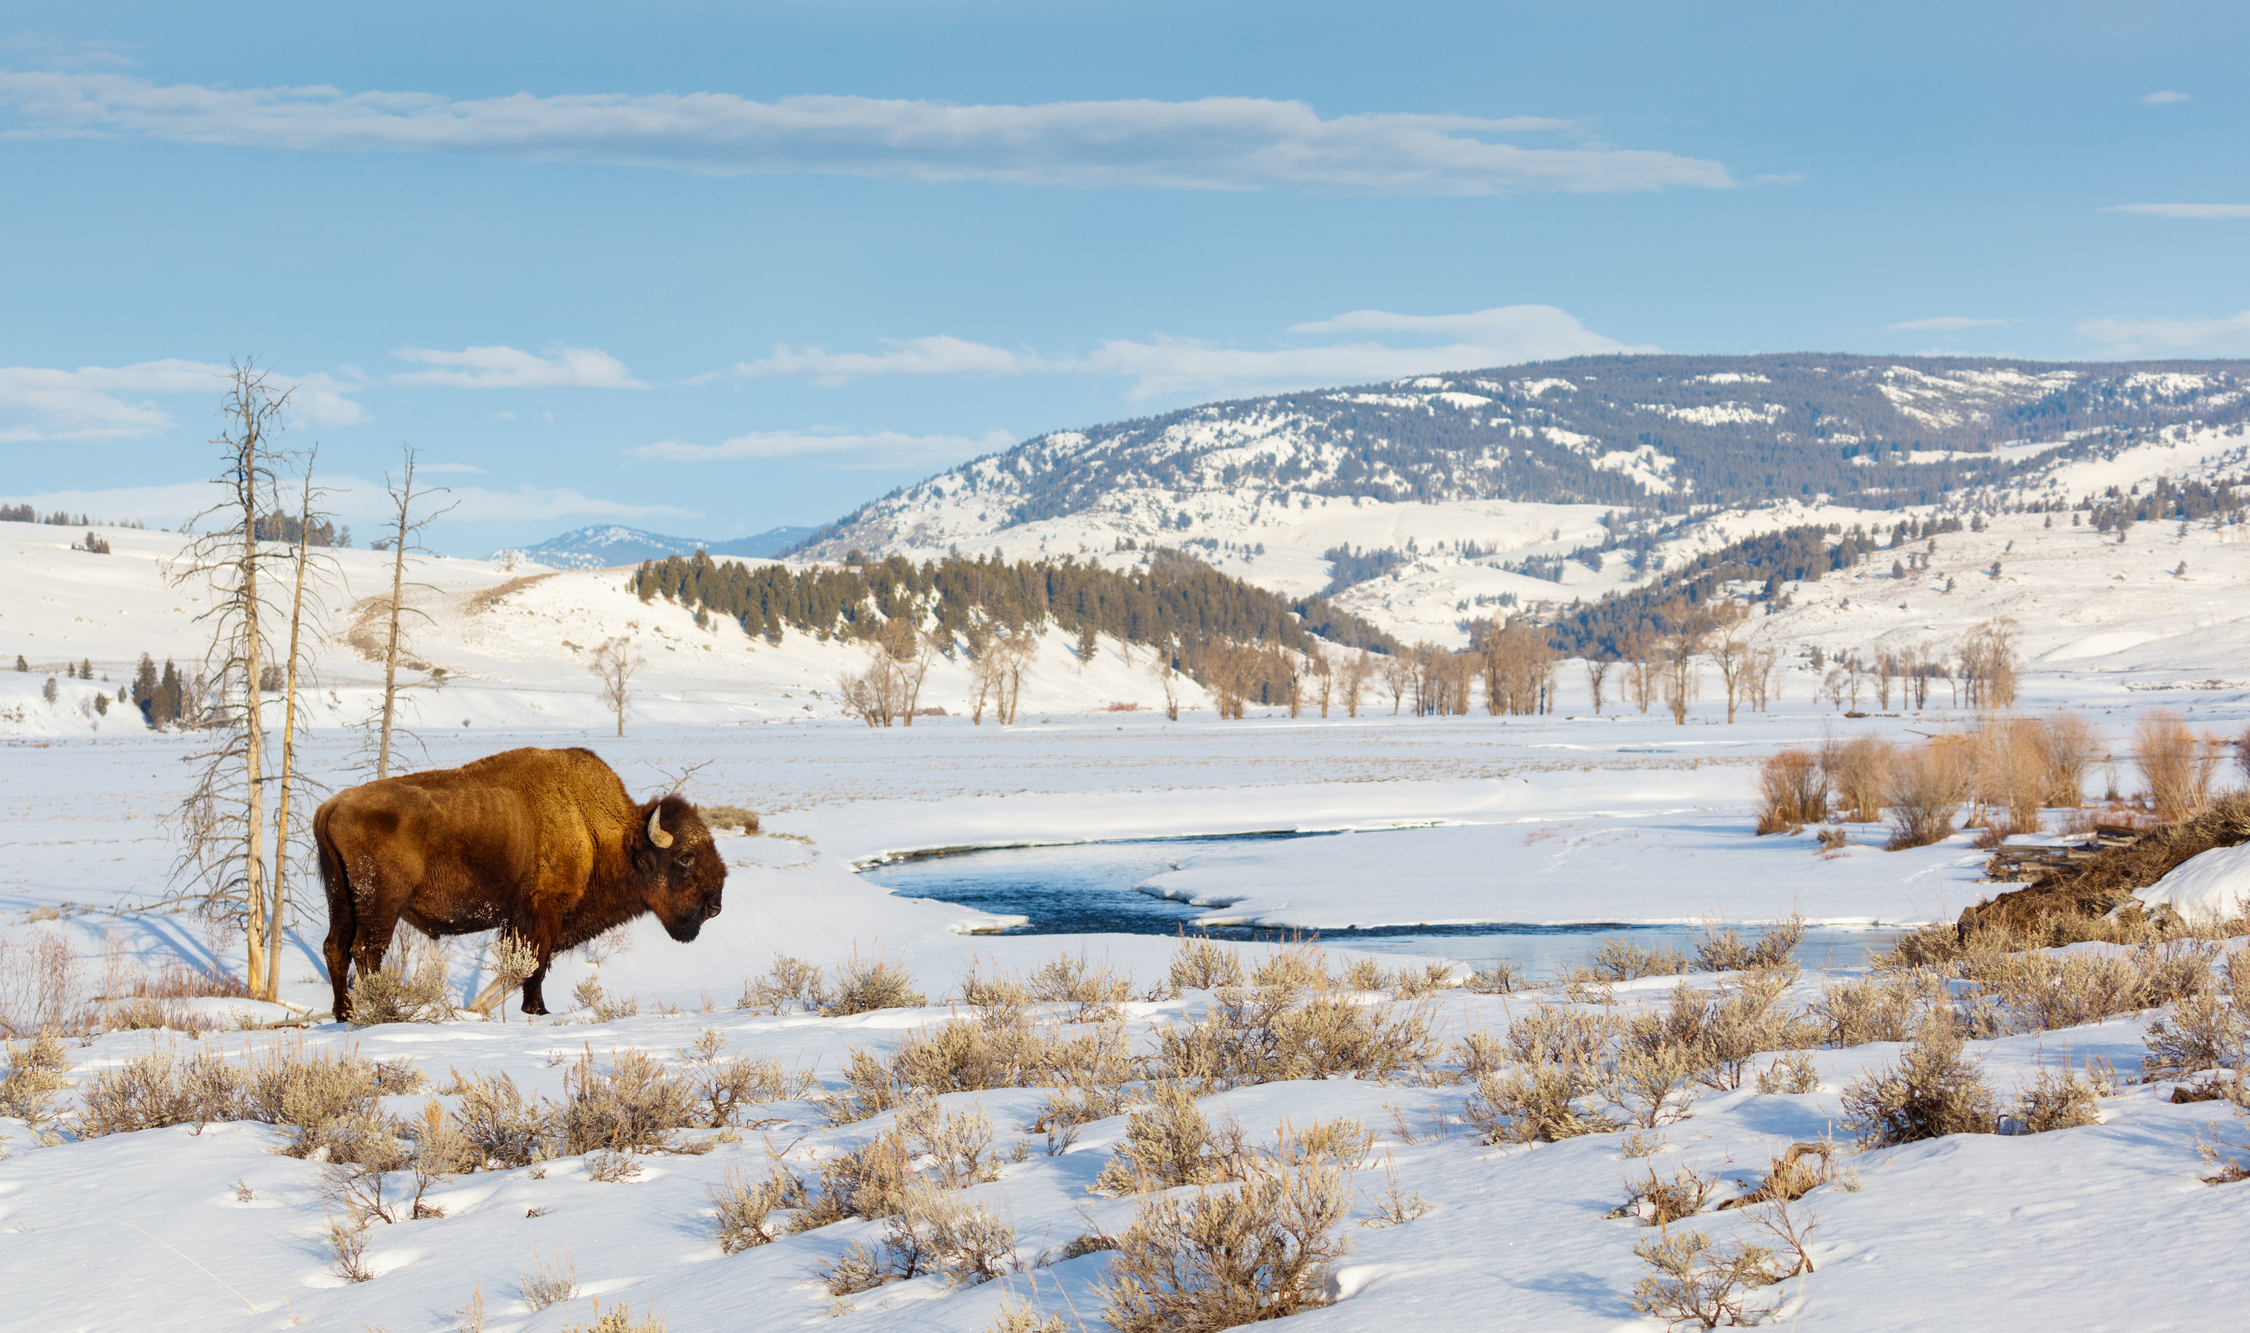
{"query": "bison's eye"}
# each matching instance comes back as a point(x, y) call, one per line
point(687, 861)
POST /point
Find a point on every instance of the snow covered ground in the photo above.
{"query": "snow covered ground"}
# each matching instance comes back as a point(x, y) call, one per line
point(1561, 818)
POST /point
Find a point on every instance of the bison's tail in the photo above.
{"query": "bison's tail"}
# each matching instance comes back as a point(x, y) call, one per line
point(343, 910)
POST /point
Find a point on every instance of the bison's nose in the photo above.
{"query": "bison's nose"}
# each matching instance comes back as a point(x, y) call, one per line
point(711, 911)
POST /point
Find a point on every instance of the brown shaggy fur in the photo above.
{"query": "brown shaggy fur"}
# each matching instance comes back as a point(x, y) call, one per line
point(545, 844)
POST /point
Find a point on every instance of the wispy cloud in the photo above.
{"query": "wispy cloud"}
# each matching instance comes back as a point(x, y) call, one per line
point(508, 368)
point(2165, 336)
point(870, 449)
point(449, 467)
point(1216, 143)
point(940, 355)
point(1163, 366)
point(113, 402)
point(2166, 95)
point(1946, 322)
point(2184, 210)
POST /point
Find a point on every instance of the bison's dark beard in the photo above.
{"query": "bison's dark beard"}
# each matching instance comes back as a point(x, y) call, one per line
point(685, 929)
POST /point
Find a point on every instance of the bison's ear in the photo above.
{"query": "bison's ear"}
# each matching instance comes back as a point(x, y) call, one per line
point(656, 833)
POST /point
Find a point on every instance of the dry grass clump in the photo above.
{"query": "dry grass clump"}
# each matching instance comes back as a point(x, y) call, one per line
point(1698, 1282)
point(954, 1149)
point(1926, 788)
point(1934, 1090)
point(743, 1211)
point(791, 985)
point(1792, 792)
point(865, 986)
point(1224, 1257)
point(1801, 1169)
point(966, 1055)
point(410, 987)
point(551, 1280)
point(729, 817)
point(503, 1128)
point(39, 986)
point(1502, 978)
point(34, 1079)
point(618, 1319)
point(1093, 988)
point(1720, 948)
point(330, 1098)
point(1433, 977)
point(2039, 992)
point(1860, 771)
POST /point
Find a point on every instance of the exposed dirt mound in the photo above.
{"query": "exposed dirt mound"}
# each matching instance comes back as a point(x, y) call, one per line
point(2097, 885)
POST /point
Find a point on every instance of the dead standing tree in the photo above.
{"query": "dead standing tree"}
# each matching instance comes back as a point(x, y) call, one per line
point(303, 566)
point(615, 663)
point(225, 814)
point(403, 539)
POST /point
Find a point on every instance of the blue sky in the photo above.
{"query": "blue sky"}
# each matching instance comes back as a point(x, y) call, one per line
point(714, 268)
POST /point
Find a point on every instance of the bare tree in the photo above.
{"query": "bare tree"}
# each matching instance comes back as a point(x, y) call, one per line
point(615, 663)
point(1735, 658)
point(1597, 669)
point(1324, 678)
point(303, 567)
point(1399, 672)
point(224, 816)
point(403, 539)
point(1640, 671)
point(1169, 680)
point(1356, 674)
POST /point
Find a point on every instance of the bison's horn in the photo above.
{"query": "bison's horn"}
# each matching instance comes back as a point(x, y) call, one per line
point(656, 833)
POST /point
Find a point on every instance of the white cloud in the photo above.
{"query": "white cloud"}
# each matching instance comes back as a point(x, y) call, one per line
point(940, 355)
point(1170, 366)
point(2166, 95)
point(1215, 143)
point(508, 368)
point(110, 402)
point(2184, 210)
point(1947, 322)
point(449, 467)
point(2160, 336)
point(873, 449)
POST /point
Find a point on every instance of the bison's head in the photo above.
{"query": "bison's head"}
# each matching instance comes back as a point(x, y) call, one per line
point(682, 873)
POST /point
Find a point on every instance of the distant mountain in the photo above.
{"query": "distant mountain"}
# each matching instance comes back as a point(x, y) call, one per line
point(1650, 434)
point(608, 544)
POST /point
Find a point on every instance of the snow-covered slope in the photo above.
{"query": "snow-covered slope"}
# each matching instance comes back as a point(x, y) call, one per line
point(610, 544)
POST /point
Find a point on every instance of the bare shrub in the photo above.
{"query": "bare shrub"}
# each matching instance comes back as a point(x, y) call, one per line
point(2176, 772)
point(2207, 1028)
point(1926, 789)
point(743, 1211)
point(1934, 1090)
point(503, 1128)
point(1413, 985)
point(2057, 1099)
point(2042, 991)
point(1170, 1143)
point(1016, 1317)
point(34, 1079)
point(2011, 769)
point(1859, 770)
point(876, 984)
point(1721, 948)
point(1537, 1103)
point(1801, 1169)
point(39, 986)
point(1792, 792)
point(551, 1279)
point(347, 1249)
point(931, 1232)
point(1293, 967)
point(1224, 1256)
point(1365, 974)
point(964, 1055)
point(1502, 978)
point(791, 985)
point(628, 1109)
point(410, 987)
point(1793, 1073)
point(607, 1008)
point(1662, 1202)
point(2067, 745)
point(1201, 964)
point(1278, 1032)
point(611, 1168)
point(1696, 1281)
point(1093, 988)
point(1623, 960)
point(722, 1090)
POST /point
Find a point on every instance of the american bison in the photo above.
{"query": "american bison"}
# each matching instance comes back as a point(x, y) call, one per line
point(545, 844)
